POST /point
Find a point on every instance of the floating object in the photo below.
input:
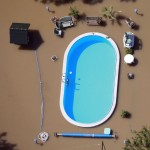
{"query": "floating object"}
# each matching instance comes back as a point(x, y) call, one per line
point(35, 141)
point(64, 22)
point(137, 12)
point(54, 58)
point(130, 76)
point(107, 131)
point(129, 59)
point(130, 23)
point(84, 135)
point(43, 136)
point(93, 21)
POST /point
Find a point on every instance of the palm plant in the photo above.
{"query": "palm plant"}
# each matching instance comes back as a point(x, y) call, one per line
point(109, 13)
point(74, 12)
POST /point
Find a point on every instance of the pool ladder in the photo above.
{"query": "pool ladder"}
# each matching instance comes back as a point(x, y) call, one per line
point(65, 80)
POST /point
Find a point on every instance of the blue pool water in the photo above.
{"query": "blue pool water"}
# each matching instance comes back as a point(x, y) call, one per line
point(89, 82)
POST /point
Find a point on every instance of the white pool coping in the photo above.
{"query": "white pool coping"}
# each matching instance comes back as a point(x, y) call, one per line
point(115, 82)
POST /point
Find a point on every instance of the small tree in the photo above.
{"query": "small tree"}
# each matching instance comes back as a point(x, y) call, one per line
point(109, 13)
point(74, 12)
point(141, 140)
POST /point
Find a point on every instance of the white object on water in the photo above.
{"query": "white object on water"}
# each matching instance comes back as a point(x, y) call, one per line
point(43, 136)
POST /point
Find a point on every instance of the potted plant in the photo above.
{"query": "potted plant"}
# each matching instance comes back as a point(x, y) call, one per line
point(74, 12)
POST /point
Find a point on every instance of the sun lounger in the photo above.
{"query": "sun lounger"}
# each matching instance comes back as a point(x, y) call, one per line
point(93, 21)
point(130, 23)
point(128, 40)
point(67, 24)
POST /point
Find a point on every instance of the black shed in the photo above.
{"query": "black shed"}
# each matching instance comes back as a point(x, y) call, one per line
point(19, 33)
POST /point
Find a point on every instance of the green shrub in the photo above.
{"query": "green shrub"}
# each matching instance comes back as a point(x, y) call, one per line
point(129, 51)
point(125, 114)
point(140, 140)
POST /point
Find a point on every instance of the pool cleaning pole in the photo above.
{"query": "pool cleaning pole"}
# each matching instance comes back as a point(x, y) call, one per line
point(84, 135)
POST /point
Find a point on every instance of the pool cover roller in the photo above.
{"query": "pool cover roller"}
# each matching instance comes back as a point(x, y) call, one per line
point(65, 134)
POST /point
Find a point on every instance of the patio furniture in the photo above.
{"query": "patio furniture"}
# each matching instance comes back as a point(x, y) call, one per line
point(93, 21)
point(19, 33)
point(130, 23)
point(64, 22)
point(129, 59)
point(128, 40)
point(58, 32)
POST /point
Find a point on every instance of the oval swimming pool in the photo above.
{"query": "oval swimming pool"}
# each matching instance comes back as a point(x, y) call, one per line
point(89, 80)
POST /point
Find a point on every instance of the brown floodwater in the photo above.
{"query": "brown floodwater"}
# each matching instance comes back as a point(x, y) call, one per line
point(20, 101)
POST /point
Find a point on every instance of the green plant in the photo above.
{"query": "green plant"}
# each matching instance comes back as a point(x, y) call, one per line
point(128, 51)
point(74, 12)
point(109, 13)
point(140, 141)
point(125, 114)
